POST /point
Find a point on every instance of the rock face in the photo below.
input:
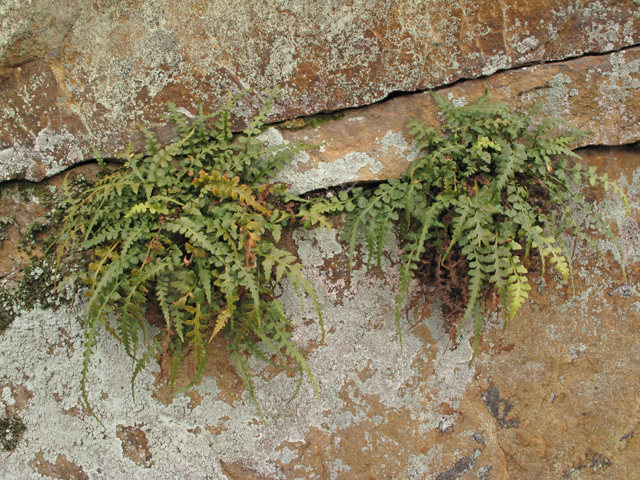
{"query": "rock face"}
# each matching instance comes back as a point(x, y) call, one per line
point(554, 396)
point(84, 72)
point(598, 94)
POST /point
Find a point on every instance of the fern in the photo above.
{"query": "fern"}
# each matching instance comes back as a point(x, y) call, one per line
point(486, 190)
point(192, 224)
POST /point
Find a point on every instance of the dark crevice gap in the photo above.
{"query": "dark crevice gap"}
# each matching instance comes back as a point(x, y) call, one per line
point(532, 64)
point(401, 93)
point(630, 145)
point(111, 162)
point(393, 94)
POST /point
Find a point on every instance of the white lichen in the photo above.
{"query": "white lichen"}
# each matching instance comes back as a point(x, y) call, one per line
point(42, 352)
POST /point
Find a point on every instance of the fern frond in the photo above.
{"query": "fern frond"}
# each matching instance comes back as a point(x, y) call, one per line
point(477, 279)
point(204, 274)
point(557, 258)
point(162, 291)
point(221, 321)
point(283, 338)
point(91, 335)
point(508, 163)
point(293, 271)
point(497, 263)
point(191, 230)
point(411, 259)
point(196, 335)
point(477, 315)
point(518, 286)
point(464, 210)
point(239, 361)
point(352, 228)
point(223, 186)
point(141, 363)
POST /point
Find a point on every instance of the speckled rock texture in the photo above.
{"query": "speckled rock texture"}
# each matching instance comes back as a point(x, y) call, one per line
point(598, 94)
point(556, 396)
point(76, 73)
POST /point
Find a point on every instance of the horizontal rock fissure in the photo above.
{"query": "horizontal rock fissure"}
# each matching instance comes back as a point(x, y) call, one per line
point(67, 169)
point(56, 152)
point(402, 93)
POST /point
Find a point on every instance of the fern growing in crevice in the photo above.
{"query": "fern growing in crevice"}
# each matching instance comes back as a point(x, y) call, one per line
point(194, 224)
point(490, 187)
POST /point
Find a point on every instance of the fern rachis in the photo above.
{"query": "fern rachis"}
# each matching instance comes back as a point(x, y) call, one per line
point(497, 178)
point(187, 223)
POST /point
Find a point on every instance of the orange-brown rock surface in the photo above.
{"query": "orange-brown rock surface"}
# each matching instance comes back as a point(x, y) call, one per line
point(79, 73)
point(556, 396)
point(598, 94)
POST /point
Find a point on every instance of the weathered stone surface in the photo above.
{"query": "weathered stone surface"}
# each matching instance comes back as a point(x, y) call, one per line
point(599, 94)
point(555, 396)
point(30, 30)
point(74, 73)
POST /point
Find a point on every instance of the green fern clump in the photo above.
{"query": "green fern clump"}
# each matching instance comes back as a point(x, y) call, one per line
point(491, 187)
point(192, 227)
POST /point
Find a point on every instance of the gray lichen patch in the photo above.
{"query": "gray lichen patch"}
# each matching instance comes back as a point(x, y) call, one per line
point(317, 245)
point(556, 98)
point(35, 289)
point(622, 165)
point(52, 153)
point(628, 227)
point(399, 143)
point(619, 86)
point(324, 174)
point(368, 383)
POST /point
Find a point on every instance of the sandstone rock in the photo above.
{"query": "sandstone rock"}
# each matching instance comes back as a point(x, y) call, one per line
point(31, 30)
point(555, 396)
point(598, 94)
point(80, 73)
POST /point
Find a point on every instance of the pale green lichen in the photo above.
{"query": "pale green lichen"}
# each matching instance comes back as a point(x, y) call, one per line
point(42, 351)
point(52, 151)
point(316, 246)
point(556, 97)
point(628, 227)
point(620, 85)
point(399, 143)
point(324, 174)
point(28, 31)
point(36, 289)
point(496, 62)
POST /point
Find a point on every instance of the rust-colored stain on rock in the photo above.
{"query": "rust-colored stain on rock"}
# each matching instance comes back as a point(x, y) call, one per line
point(86, 75)
point(61, 468)
point(135, 445)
